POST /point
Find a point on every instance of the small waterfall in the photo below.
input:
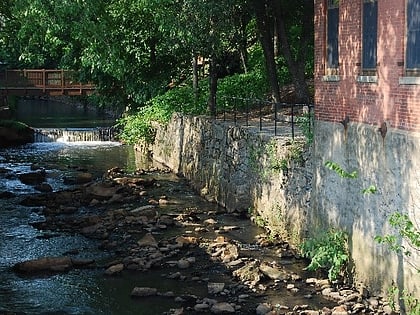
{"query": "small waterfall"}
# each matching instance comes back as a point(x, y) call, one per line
point(74, 134)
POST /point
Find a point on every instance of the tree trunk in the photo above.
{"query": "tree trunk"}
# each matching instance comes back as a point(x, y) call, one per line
point(265, 26)
point(195, 76)
point(296, 65)
point(212, 86)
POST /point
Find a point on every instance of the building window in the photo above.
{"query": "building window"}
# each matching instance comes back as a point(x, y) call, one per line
point(332, 36)
point(413, 37)
point(369, 35)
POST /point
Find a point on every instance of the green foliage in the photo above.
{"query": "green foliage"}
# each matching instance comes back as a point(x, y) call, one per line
point(256, 57)
point(182, 99)
point(283, 72)
point(406, 230)
point(17, 125)
point(305, 123)
point(370, 190)
point(136, 127)
point(339, 170)
point(327, 251)
point(412, 304)
point(139, 125)
point(275, 164)
point(243, 85)
point(409, 232)
point(295, 152)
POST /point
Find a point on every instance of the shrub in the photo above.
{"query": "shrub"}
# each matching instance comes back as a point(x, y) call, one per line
point(327, 251)
point(182, 99)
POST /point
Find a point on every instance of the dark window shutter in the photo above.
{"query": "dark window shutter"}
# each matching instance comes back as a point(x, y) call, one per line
point(370, 33)
point(413, 34)
point(332, 37)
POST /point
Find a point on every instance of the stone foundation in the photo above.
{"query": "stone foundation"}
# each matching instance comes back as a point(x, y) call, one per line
point(241, 169)
point(392, 165)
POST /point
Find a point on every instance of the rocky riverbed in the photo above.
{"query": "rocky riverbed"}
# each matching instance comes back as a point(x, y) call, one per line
point(221, 266)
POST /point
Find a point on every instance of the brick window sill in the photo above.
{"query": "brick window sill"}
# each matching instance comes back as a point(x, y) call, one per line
point(331, 78)
point(409, 80)
point(367, 79)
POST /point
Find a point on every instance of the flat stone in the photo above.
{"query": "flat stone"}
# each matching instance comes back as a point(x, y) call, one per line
point(222, 308)
point(201, 307)
point(183, 264)
point(32, 178)
point(112, 270)
point(215, 287)
point(273, 272)
point(147, 240)
point(339, 310)
point(143, 291)
point(44, 264)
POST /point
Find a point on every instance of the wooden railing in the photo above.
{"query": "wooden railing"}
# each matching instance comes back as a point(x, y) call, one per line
point(42, 81)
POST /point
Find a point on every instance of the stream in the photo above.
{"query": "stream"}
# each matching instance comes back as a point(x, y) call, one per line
point(182, 290)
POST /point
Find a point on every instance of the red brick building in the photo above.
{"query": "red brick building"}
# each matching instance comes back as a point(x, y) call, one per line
point(368, 61)
point(367, 79)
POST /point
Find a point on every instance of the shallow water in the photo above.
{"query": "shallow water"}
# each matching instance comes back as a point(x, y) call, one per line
point(87, 291)
point(76, 292)
point(82, 291)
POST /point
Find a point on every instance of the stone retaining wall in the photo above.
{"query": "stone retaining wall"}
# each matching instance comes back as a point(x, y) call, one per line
point(288, 190)
point(241, 169)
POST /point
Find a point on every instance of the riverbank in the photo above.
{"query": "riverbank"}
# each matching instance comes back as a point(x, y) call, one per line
point(14, 133)
point(203, 259)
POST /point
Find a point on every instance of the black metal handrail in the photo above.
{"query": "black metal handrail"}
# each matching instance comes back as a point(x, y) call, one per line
point(239, 110)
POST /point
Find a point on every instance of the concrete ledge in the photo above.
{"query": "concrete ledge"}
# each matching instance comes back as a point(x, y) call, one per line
point(331, 78)
point(409, 80)
point(367, 79)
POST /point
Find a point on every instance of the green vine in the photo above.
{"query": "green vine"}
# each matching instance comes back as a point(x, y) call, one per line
point(339, 170)
point(305, 123)
point(405, 229)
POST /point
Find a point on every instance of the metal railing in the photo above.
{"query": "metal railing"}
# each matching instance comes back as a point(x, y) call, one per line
point(267, 115)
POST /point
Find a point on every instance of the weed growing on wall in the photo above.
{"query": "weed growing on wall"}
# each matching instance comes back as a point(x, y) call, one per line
point(305, 123)
point(267, 160)
point(275, 164)
point(256, 218)
point(327, 251)
point(412, 304)
point(339, 170)
point(408, 231)
point(405, 230)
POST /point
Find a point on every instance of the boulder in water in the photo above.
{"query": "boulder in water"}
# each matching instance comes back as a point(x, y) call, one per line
point(50, 264)
point(15, 133)
point(33, 178)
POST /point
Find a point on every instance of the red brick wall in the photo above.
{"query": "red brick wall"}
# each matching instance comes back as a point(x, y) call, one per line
point(372, 103)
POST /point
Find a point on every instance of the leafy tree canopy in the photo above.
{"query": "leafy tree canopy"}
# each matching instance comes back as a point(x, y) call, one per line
point(133, 49)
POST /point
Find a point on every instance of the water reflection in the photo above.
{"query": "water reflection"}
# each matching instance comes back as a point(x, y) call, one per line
point(55, 113)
